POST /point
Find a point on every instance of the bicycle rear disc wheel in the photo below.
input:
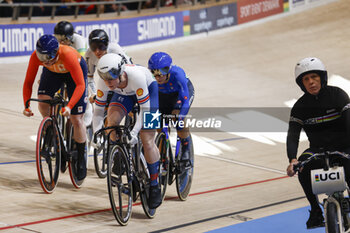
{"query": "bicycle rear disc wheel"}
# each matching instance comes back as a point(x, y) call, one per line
point(73, 162)
point(161, 143)
point(184, 178)
point(119, 185)
point(48, 158)
point(144, 187)
point(100, 157)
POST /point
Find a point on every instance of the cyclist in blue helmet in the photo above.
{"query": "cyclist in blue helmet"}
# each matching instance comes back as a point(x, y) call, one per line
point(46, 49)
point(176, 94)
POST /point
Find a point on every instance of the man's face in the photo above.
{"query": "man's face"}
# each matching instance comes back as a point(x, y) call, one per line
point(117, 83)
point(99, 53)
point(312, 83)
point(161, 79)
point(112, 84)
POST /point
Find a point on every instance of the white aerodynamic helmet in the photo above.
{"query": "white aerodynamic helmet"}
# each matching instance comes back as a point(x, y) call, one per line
point(110, 66)
point(310, 65)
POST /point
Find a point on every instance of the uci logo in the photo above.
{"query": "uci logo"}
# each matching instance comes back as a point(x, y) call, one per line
point(327, 176)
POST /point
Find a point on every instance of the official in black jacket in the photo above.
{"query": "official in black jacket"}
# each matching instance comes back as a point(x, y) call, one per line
point(323, 113)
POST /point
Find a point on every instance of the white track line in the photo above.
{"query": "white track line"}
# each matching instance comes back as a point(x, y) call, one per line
point(246, 164)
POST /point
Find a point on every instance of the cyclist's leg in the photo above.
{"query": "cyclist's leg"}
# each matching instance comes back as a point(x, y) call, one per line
point(316, 218)
point(50, 82)
point(184, 132)
point(77, 119)
point(151, 151)
point(88, 114)
point(345, 163)
point(119, 106)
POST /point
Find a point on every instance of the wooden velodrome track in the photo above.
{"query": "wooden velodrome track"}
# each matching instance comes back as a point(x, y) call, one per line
point(237, 177)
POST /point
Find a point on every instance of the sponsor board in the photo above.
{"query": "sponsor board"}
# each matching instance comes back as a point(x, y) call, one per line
point(213, 18)
point(248, 10)
point(20, 39)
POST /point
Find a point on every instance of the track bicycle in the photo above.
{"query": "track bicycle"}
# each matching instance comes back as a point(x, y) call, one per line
point(172, 168)
point(330, 180)
point(127, 174)
point(55, 145)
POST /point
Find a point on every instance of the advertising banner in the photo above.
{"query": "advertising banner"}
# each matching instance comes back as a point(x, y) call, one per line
point(207, 19)
point(249, 10)
point(20, 39)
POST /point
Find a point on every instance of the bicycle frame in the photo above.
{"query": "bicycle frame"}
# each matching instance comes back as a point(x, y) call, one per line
point(53, 103)
point(165, 130)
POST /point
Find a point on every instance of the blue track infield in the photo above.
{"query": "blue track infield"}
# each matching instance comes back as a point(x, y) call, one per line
point(293, 221)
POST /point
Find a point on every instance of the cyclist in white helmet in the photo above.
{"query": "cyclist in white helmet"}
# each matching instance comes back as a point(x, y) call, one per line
point(130, 84)
point(323, 113)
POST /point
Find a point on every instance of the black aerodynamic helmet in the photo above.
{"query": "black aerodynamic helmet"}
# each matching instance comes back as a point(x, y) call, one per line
point(98, 39)
point(64, 31)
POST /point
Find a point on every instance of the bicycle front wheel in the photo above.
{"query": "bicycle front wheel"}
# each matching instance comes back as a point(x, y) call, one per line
point(333, 223)
point(100, 156)
point(119, 184)
point(161, 143)
point(48, 157)
point(184, 176)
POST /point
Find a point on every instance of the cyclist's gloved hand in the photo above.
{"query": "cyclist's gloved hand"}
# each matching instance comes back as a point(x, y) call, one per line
point(92, 98)
point(28, 112)
point(133, 138)
point(96, 144)
point(290, 168)
point(66, 111)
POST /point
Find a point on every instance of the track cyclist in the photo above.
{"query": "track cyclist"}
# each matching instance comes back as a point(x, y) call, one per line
point(323, 113)
point(130, 84)
point(100, 45)
point(61, 64)
point(176, 94)
point(64, 32)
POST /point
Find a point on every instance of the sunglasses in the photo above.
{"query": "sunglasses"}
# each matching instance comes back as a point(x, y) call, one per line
point(162, 71)
point(63, 38)
point(46, 57)
point(110, 75)
point(99, 46)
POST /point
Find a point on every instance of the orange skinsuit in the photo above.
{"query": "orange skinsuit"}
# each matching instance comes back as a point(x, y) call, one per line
point(68, 61)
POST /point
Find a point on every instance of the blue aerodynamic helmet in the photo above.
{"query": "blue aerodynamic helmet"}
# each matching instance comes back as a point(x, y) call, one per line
point(160, 63)
point(47, 48)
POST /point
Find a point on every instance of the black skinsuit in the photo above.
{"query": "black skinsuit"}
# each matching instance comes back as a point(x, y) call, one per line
point(325, 119)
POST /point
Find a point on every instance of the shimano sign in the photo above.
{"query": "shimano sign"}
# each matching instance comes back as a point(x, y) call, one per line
point(156, 28)
point(19, 41)
point(111, 28)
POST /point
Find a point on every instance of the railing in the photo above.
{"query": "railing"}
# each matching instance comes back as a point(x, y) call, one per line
point(17, 6)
